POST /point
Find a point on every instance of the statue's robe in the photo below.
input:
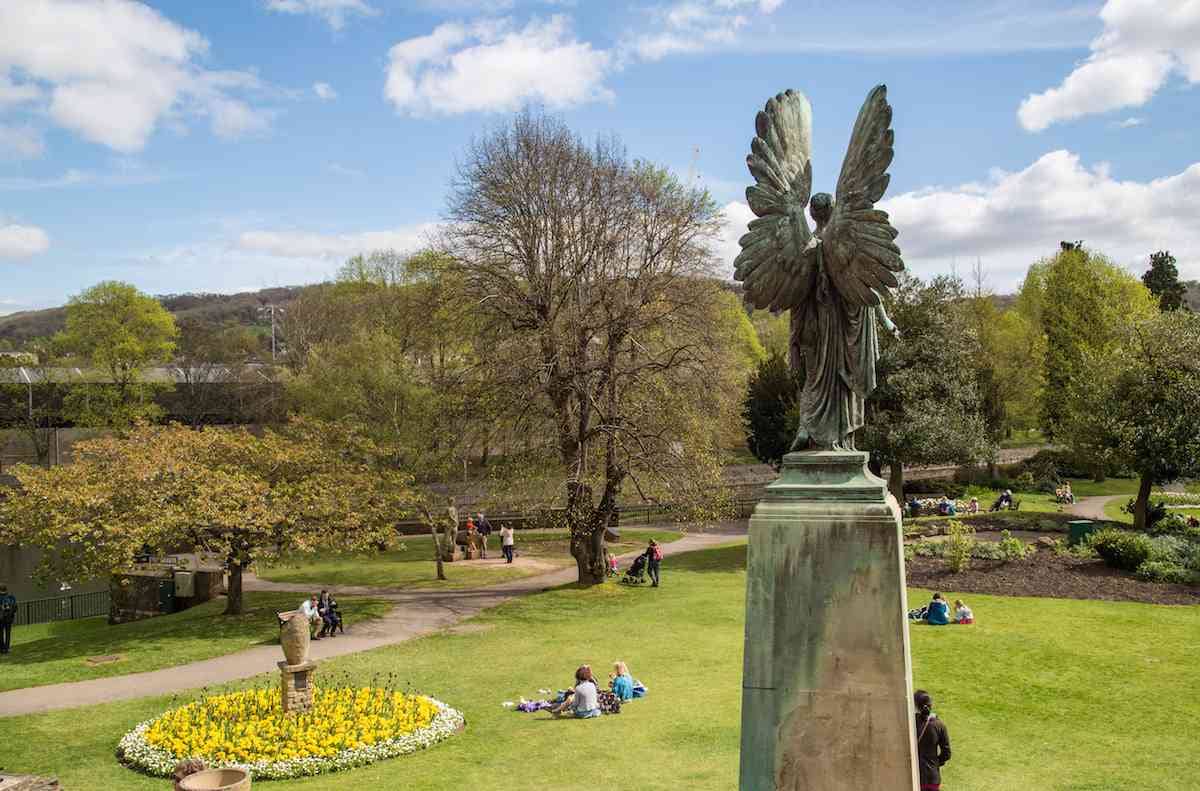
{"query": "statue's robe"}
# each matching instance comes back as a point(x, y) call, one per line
point(839, 345)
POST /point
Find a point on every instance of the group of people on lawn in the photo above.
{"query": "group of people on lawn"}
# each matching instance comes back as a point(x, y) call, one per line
point(937, 612)
point(478, 529)
point(586, 700)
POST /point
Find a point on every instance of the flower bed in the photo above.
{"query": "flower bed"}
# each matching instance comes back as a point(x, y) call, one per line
point(347, 727)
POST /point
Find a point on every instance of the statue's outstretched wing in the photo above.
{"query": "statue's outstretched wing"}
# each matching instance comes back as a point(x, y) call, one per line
point(776, 264)
point(860, 254)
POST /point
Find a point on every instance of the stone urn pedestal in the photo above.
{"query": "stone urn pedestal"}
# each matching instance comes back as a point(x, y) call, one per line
point(216, 780)
point(296, 686)
point(827, 681)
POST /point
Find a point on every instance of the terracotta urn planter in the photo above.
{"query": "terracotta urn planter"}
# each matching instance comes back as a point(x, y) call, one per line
point(294, 637)
point(217, 780)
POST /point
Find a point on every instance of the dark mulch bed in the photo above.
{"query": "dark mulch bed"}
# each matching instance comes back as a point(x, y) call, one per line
point(1048, 575)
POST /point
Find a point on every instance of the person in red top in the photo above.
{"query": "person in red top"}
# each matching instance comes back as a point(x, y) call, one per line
point(933, 742)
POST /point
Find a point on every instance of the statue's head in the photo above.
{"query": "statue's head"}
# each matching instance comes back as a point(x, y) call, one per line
point(820, 206)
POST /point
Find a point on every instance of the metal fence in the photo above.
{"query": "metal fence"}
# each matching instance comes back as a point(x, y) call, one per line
point(62, 608)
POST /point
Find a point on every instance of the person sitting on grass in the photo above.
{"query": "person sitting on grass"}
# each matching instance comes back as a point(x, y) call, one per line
point(973, 506)
point(621, 682)
point(938, 611)
point(584, 700)
point(914, 506)
point(962, 613)
point(1003, 501)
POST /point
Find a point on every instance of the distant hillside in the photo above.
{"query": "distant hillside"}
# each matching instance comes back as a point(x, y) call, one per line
point(241, 309)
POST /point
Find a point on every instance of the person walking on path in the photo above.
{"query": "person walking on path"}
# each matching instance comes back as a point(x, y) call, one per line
point(933, 742)
point(484, 528)
point(654, 556)
point(506, 543)
point(8, 614)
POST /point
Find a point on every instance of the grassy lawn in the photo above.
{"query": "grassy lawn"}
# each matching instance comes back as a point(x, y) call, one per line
point(1040, 694)
point(1113, 511)
point(51, 653)
point(1037, 502)
point(411, 567)
point(1024, 439)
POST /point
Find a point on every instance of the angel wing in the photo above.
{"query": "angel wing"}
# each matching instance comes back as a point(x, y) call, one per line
point(859, 252)
point(776, 264)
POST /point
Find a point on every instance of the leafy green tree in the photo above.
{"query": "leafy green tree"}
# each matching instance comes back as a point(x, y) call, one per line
point(1085, 305)
point(307, 487)
point(1162, 278)
point(593, 277)
point(1138, 407)
point(769, 414)
point(927, 407)
point(120, 331)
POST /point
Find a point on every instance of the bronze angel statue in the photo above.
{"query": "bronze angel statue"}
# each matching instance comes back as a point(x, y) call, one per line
point(830, 278)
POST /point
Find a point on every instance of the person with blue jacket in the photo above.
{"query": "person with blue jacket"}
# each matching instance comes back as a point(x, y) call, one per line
point(622, 682)
point(938, 612)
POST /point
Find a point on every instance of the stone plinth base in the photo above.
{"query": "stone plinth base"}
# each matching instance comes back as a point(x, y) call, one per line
point(826, 688)
point(296, 686)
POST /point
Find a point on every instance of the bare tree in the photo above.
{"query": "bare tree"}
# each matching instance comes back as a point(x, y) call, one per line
point(593, 274)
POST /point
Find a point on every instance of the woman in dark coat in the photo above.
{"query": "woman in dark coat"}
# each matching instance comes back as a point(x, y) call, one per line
point(933, 742)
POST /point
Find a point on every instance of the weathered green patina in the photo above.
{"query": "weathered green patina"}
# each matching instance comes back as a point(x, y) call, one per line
point(831, 279)
point(827, 680)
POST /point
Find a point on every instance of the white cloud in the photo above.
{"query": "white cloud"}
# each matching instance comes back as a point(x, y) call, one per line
point(1012, 219)
point(495, 66)
point(1131, 122)
point(22, 241)
point(334, 12)
point(695, 26)
point(737, 216)
point(11, 93)
point(112, 71)
point(324, 91)
point(1143, 42)
point(310, 245)
point(20, 142)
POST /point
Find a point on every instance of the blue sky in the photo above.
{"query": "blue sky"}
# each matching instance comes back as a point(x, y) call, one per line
point(232, 145)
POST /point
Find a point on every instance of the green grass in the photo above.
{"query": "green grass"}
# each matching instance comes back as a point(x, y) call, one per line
point(412, 568)
point(52, 653)
point(1112, 510)
point(1052, 694)
point(1024, 439)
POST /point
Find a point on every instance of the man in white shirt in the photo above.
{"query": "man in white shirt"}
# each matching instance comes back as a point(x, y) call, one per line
point(310, 609)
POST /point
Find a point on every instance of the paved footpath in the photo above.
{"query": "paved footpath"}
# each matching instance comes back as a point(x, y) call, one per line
point(1093, 507)
point(416, 613)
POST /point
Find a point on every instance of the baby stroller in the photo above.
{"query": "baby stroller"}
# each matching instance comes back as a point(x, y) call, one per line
point(636, 575)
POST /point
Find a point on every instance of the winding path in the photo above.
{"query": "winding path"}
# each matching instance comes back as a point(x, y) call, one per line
point(416, 613)
point(1093, 507)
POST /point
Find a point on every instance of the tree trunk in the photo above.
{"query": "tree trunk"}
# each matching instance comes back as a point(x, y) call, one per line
point(233, 597)
point(896, 480)
point(437, 550)
point(1141, 507)
point(588, 550)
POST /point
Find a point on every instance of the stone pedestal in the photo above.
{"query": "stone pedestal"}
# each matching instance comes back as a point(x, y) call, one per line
point(296, 686)
point(827, 681)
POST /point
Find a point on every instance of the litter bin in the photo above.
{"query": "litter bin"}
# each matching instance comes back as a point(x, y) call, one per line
point(166, 596)
point(1079, 528)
